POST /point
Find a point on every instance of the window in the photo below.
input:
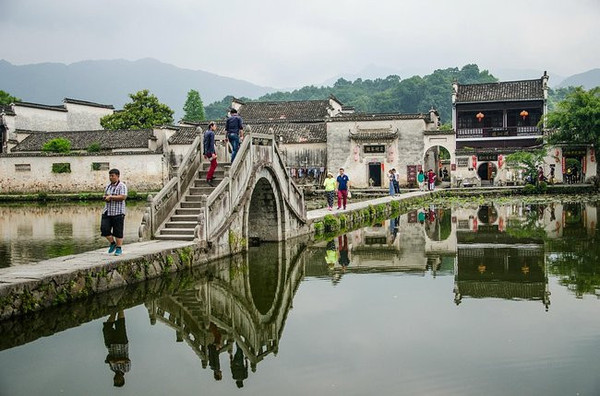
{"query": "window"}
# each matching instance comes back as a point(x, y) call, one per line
point(22, 167)
point(61, 167)
point(100, 166)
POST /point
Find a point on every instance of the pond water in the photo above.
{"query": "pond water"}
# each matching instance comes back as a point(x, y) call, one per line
point(31, 233)
point(496, 300)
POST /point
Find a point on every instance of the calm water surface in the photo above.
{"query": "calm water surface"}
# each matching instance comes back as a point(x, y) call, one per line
point(31, 233)
point(494, 300)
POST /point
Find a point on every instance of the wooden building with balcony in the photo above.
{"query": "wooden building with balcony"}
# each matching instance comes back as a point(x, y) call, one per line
point(495, 119)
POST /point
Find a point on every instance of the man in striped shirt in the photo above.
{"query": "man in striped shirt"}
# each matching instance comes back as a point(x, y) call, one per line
point(113, 215)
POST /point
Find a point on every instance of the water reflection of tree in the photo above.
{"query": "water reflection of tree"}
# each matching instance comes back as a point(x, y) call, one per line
point(529, 226)
point(576, 263)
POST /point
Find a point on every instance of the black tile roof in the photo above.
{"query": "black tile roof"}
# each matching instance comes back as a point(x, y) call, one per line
point(293, 132)
point(41, 106)
point(187, 134)
point(289, 110)
point(374, 134)
point(378, 117)
point(80, 140)
point(86, 103)
point(501, 91)
point(6, 109)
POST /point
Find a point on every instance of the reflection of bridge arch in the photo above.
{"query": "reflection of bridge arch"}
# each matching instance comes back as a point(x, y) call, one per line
point(228, 299)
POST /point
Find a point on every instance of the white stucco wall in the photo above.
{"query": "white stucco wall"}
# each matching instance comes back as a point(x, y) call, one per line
point(35, 119)
point(85, 118)
point(406, 149)
point(141, 172)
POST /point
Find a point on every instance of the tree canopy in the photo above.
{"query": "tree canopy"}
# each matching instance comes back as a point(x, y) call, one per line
point(193, 107)
point(576, 119)
point(144, 111)
point(6, 98)
point(384, 95)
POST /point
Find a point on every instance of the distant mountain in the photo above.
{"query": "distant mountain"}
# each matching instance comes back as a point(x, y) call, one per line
point(588, 80)
point(111, 81)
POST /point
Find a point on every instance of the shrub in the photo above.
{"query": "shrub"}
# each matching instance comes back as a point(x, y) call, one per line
point(93, 148)
point(58, 145)
point(96, 166)
point(331, 223)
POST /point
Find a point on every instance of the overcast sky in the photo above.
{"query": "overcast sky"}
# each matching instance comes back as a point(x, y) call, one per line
point(293, 43)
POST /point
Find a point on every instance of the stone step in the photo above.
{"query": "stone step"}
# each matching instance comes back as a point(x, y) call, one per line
point(188, 211)
point(174, 237)
point(193, 198)
point(201, 190)
point(190, 205)
point(203, 183)
point(181, 224)
point(184, 218)
point(177, 231)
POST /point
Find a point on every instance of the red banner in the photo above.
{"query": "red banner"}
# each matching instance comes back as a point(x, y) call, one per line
point(563, 165)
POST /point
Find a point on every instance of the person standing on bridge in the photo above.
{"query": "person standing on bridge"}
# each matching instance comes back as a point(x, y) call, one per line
point(209, 152)
point(342, 189)
point(234, 132)
point(113, 215)
point(329, 185)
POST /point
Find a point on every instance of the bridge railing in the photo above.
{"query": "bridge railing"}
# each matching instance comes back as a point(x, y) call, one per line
point(162, 204)
point(255, 149)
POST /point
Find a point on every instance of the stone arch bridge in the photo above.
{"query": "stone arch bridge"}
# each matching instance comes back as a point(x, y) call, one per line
point(255, 199)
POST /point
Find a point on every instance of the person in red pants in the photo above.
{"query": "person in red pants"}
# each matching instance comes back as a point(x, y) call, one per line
point(342, 189)
point(209, 152)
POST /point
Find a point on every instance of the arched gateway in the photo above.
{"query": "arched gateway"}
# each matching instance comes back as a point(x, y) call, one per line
point(256, 200)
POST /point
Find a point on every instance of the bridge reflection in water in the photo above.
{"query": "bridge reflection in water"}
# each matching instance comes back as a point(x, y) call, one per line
point(237, 309)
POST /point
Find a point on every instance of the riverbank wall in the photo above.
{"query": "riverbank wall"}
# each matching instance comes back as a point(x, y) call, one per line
point(33, 287)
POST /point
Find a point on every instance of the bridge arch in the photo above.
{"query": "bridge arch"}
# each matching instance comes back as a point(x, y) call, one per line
point(264, 217)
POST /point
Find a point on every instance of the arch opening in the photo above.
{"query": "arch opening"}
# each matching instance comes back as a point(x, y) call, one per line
point(263, 215)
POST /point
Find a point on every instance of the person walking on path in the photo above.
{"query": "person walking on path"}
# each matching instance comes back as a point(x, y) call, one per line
point(392, 179)
point(234, 132)
point(209, 152)
point(421, 180)
point(329, 185)
point(113, 215)
point(342, 182)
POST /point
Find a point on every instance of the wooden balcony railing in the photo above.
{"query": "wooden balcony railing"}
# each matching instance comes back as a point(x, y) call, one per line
point(525, 131)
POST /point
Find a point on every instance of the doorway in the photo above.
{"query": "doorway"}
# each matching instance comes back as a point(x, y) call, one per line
point(375, 174)
point(487, 172)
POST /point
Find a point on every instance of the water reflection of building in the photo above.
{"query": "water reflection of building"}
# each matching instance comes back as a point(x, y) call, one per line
point(239, 308)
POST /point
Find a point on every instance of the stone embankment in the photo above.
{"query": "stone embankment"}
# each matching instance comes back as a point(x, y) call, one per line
point(33, 287)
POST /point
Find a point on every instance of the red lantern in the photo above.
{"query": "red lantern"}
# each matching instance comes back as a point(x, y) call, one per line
point(500, 161)
point(524, 114)
point(474, 161)
point(479, 116)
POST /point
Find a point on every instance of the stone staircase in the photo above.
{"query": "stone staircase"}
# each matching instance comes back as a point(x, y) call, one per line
point(180, 225)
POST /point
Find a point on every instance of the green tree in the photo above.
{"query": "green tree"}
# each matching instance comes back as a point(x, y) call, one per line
point(193, 107)
point(576, 119)
point(144, 111)
point(58, 145)
point(6, 98)
point(529, 161)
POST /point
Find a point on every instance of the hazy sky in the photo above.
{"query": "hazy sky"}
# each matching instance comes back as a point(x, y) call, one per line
point(292, 43)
